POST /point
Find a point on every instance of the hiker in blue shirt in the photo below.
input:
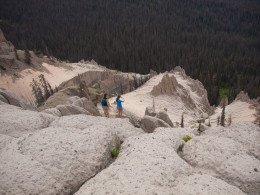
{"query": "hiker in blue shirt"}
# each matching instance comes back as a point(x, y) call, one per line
point(119, 105)
point(105, 105)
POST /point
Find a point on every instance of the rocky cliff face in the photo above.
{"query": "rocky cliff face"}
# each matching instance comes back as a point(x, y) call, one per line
point(109, 82)
point(5, 46)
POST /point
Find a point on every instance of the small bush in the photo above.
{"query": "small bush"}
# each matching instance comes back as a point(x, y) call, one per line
point(187, 138)
point(115, 152)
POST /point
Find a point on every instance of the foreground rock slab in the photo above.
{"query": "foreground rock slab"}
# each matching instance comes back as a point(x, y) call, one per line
point(147, 164)
point(15, 121)
point(120, 127)
point(54, 160)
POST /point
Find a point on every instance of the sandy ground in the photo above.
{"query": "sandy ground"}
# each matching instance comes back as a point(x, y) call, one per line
point(239, 111)
point(55, 75)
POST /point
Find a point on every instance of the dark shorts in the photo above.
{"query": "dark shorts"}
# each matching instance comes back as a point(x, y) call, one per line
point(105, 107)
point(120, 108)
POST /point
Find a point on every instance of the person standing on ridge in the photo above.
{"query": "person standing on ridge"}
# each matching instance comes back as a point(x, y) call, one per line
point(119, 105)
point(105, 105)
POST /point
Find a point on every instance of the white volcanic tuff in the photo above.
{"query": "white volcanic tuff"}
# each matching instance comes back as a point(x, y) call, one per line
point(9, 97)
point(189, 98)
point(147, 164)
point(54, 160)
point(227, 158)
point(245, 133)
point(205, 185)
point(14, 121)
point(238, 110)
point(21, 85)
point(121, 127)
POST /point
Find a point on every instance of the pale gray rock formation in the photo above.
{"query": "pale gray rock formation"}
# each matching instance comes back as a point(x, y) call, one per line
point(165, 117)
point(242, 171)
point(120, 127)
point(66, 110)
point(5, 46)
point(53, 111)
point(147, 164)
point(205, 185)
point(134, 119)
point(225, 157)
point(210, 151)
point(243, 97)
point(245, 133)
point(14, 121)
point(149, 124)
point(2, 99)
point(149, 111)
point(85, 104)
point(168, 86)
point(12, 99)
point(4, 140)
point(107, 81)
point(197, 87)
point(60, 98)
point(54, 160)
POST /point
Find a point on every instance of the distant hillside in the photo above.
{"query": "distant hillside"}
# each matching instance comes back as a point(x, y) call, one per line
point(217, 41)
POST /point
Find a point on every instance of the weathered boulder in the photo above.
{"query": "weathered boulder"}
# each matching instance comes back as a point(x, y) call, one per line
point(53, 111)
point(245, 133)
point(204, 185)
point(87, 105)
point(54, 160)
point(14, 121)
point(147, 164)
point(60, 98)
point(73, 99)
point(149, 111)
point(4, 140)
point(66, 110)
point(227, 158)
point(11, 98)
point(134, 119)
point(165, 117)
point(121, 127)
point(149, 124)
point(242, 171)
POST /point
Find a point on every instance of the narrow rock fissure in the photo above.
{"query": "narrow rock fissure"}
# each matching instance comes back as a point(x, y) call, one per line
point(100, 169)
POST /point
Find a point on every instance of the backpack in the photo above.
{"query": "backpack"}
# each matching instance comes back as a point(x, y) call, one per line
point(103, 102)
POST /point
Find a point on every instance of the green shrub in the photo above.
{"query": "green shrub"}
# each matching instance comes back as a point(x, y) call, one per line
point(115, 152)
point(187, 138)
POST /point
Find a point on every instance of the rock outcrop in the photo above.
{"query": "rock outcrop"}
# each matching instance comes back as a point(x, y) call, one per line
point(168, 86)
point(54, 160)
point(15, 121)
point(149, 124)
point(231, 152)
point(9, 97)
point(5, 46)
point(120, 127)
point(147, 164)
point(149, 111)
point(165, 117)
point(74, 105)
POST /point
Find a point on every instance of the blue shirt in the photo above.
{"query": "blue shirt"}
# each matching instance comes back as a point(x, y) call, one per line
point(119, 103)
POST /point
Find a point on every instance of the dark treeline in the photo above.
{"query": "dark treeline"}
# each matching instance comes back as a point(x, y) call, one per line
point(215, 41)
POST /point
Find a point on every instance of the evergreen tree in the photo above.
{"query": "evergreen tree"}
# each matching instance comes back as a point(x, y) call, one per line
point(182, 121)
point(45, 85)
point(16, 54)
point(37, 92)
point(222, 118)
point(27, 56)
point(218, 120)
